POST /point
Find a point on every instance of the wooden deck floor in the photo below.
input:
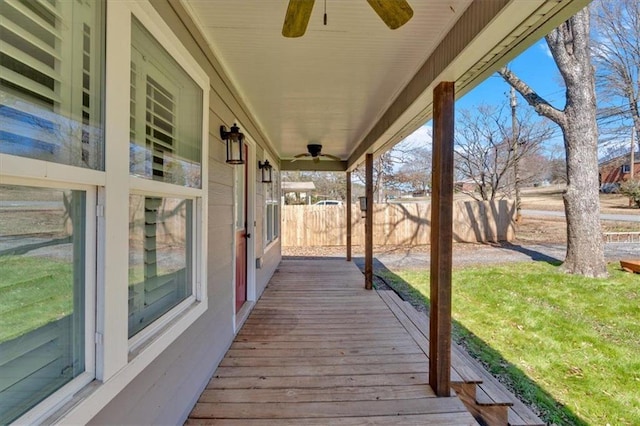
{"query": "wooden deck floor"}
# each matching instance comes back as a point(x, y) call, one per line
point(319, 349)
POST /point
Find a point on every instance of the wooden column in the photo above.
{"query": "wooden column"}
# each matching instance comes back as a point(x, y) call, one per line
point(348, 203)
point(441, 239)
point(368, 224)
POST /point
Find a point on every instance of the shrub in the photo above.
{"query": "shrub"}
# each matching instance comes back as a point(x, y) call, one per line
point(631, 189)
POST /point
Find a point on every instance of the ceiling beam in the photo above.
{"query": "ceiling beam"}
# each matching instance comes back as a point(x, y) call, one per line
point(308, 166)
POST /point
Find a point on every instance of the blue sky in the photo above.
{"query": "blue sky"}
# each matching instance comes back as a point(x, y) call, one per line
point(535, 66)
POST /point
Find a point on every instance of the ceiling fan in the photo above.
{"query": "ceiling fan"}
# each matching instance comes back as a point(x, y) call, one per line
point(315, 152)
point(394, 13)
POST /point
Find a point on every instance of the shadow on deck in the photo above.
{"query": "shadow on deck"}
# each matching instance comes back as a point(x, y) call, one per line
point(319, 349)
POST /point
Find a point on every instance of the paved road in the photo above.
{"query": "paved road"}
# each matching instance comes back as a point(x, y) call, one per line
point(614, 217)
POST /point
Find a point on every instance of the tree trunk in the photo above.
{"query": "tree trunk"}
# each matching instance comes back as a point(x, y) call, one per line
point(585, 246)
point(569, 45)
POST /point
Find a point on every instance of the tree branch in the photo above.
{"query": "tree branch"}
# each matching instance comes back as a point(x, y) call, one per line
point(541, 106)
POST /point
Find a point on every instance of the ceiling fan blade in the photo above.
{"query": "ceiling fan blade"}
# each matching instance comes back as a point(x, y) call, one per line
point(333, 157)
point(394, 13)
point(297, 18)
point(297, 157)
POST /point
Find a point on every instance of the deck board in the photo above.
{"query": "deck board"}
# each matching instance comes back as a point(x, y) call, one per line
point(320, 349)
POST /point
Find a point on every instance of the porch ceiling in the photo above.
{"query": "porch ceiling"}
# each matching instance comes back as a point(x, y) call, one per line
point(355, 86)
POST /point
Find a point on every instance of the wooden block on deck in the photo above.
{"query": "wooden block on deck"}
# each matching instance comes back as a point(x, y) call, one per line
point(523, 417)
point(631, 265)
point(491, 395)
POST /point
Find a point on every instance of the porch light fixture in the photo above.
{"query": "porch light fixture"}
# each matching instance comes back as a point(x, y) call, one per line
point(266, 171)
point(235, 144)
point(363, 205)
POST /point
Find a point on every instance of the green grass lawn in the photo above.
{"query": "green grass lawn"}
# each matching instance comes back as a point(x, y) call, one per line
point(33, 292)
point(569, 345)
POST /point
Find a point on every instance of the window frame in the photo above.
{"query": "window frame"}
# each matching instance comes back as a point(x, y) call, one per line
point(275, 193)
point(117, 348)
point(140, 338)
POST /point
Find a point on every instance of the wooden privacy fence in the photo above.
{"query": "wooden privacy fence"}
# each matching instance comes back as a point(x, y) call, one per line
point(396, 224)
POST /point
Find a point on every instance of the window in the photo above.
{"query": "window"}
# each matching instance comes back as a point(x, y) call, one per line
point(165, 118)
point(43, 286)
point(160, 257)
point(272, 209)
point(626, 168)
point(51, 81)
point(166, 146)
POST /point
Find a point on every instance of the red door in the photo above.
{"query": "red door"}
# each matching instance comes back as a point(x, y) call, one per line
point(241, 235)
point(241, 268)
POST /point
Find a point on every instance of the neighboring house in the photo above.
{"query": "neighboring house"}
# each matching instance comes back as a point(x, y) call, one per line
point(132, 250)
point(618, 169)
point(466, 185)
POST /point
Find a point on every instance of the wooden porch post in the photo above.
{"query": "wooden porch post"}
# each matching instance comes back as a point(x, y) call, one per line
point(368, 224)
point(441, 239)
point(348, 203)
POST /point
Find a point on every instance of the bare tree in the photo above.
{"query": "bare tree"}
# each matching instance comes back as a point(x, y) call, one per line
point(329, 185)
point(570, 47)
point(616, 55)
point(383, 173)
point(415, 172)
point(485, 151)
point(557, 165)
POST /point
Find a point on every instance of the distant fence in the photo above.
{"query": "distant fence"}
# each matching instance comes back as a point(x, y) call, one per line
point(395, 224)
point(621, 237)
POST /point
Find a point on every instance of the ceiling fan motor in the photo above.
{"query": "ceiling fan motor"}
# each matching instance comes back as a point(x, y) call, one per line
point(314, 149)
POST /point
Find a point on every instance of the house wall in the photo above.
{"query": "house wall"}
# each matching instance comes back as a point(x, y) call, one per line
point(165, 391)
point(611, 172)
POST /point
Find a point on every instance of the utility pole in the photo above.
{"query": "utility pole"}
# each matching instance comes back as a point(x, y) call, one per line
point(633, 160)
point(516, 160)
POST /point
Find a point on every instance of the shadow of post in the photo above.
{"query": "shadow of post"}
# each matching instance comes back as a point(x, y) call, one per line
point(525, 388)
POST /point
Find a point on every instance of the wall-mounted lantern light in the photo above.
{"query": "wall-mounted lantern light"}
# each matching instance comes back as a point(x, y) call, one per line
point(363, 205)
point(235, 144)
point(266, 171)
